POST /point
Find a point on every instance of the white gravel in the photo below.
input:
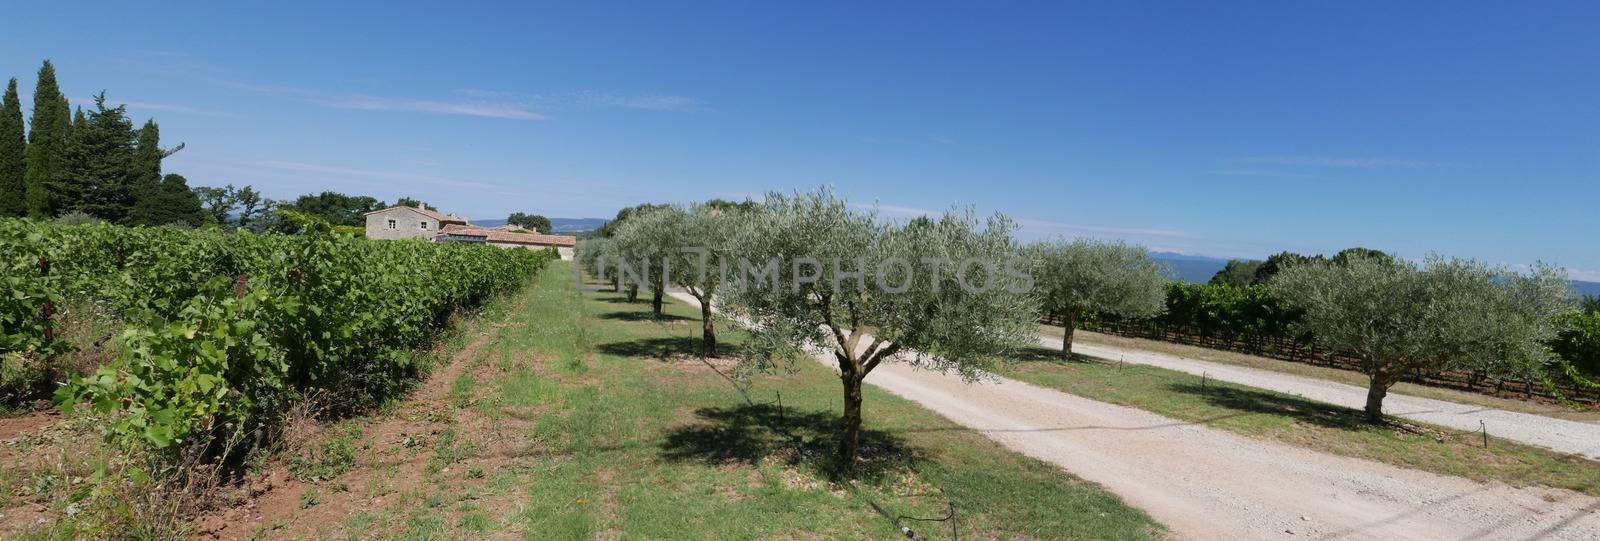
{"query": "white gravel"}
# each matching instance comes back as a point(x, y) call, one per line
point(1576, 437)
point(1205, 483)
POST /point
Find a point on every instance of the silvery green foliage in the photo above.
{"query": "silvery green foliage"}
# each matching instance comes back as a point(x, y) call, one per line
point(1444, 314)
point(1088, 276)
point(590, 255)
point(839, 276)
point(699, 241)
point(643, 242)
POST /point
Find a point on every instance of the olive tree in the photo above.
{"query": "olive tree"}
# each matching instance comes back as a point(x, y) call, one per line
point(938, 294)
point(643, 244)
point(697, 242)
point(1398, 316)
point(596, 257)
point(1081, 277)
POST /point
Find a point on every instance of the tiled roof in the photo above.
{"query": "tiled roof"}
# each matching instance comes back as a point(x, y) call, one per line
point(436, 215)
point(508, 237)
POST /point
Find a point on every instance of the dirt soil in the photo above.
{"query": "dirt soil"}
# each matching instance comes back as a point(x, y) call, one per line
point(391, 466)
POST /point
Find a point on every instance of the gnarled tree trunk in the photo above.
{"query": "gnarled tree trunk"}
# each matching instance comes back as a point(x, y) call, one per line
point(850, 423)
point(1376, 390)
point(708, 334)
point(1069, 325)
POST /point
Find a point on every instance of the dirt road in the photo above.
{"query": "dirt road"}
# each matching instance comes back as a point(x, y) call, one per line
point(1562, 435)
point(1209, 484)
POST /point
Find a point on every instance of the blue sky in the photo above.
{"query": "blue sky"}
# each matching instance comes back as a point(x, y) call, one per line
point(1234, 129)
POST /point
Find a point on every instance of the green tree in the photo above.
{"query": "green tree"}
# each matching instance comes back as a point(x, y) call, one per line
point(837, 273)
point(1279, 261)
point(1399, 317)
point(174, 203)
point(645, 244)
point(335, 208)
point(218, 203)
point(47, 141)
point(693, 243)
point(146, 174)
point(408, 202)
point(13, 155)
point(1082, 277)
point(530, 221)
point(96, 172)
point(1238, 272)
point(1346, 255)
point(609, 229)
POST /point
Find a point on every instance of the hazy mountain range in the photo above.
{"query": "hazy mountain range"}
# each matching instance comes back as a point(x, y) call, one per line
point(1200, 268)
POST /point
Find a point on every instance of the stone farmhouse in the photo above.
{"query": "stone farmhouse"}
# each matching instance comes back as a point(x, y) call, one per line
point(421, 222)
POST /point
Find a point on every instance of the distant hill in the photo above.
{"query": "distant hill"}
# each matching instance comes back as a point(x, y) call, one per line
point(560, 225)
point(1191, 268)
point(1586, 288)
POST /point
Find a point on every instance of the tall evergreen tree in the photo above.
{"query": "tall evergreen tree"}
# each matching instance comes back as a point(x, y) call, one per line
point(146, 174)
point(13, 151)
point(95, 175)
point(47, 140)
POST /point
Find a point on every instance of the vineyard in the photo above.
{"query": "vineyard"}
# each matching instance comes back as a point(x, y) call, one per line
point(219, 332)
point(1249, 319)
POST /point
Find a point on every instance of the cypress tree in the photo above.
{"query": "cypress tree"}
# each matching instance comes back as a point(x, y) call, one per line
point(13, 160)
point(146, 174)
point(95, 174)
point(47, 140)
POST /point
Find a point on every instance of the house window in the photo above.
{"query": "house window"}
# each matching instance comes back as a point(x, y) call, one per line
point(392, 225)
point(424, 226)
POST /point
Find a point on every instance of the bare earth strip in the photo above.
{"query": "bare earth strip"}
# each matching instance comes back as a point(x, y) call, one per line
point(1205, 483)
point(1561, 435)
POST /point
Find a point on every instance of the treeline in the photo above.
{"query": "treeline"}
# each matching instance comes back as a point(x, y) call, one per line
point(1238, 310)
point(92, 163)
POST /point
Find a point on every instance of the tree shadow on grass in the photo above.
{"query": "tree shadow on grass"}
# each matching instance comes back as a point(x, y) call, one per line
point(1254, 401)
point(747, 434)
point(654, 348)
point(1037, 354)
point(640, 316)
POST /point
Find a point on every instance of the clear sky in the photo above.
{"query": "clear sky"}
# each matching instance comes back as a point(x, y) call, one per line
point(1228, 129)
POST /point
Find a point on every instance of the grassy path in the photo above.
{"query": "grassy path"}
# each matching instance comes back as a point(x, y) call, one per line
point(576, 416)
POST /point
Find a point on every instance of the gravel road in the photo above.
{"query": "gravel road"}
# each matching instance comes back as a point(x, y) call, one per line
point(1562, 435)
point(1205, 483)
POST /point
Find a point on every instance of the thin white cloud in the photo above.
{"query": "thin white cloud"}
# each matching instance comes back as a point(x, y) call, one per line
point(481, 109)
point(303, 167)
point(1345, 162)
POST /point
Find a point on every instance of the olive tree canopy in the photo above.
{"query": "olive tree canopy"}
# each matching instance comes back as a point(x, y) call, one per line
point(940, 294)
point(1081, 277)
point(1445, 314)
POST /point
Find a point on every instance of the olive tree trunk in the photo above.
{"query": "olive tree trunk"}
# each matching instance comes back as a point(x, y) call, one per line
point(655, 301)
point(850, 422)
point(1069, 325)
point(1376, 390)
point(708, 333)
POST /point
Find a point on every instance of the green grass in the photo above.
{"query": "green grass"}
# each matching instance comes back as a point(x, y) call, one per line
point(1314, 425)
point(622, 432)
